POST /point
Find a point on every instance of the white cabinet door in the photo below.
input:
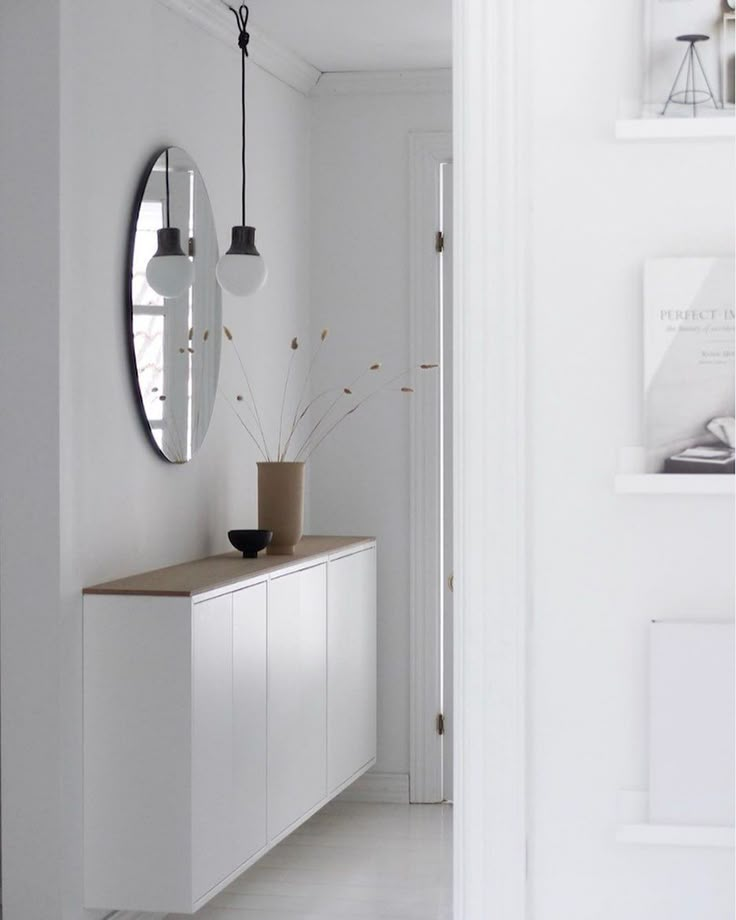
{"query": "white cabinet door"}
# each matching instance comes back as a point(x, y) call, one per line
point(212, 743)
point(351, 665)
point(296, 696)
point(249, 721)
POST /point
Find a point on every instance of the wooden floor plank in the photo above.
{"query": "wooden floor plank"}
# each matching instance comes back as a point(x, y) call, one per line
point(352, 860)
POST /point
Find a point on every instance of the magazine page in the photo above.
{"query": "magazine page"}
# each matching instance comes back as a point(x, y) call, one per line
point(689, 365)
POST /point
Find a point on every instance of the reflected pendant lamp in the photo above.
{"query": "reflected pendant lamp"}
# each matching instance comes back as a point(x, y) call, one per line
point(241, 270)
point(169, 272)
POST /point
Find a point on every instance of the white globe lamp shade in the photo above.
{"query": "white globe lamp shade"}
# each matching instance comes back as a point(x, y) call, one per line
point(169, 272)
point(241, 270)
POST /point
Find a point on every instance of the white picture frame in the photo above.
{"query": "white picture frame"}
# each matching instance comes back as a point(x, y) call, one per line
point(727, 87)
point(664, 20)
point(688, 357)
point(691, 723)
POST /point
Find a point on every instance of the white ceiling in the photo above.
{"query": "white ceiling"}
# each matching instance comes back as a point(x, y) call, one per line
point(345, 35)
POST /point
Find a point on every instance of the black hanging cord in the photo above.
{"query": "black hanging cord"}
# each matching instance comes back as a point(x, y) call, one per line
point(241, 17)
point(168, 195)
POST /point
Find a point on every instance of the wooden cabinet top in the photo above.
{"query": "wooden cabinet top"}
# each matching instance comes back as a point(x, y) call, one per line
point(215, 572)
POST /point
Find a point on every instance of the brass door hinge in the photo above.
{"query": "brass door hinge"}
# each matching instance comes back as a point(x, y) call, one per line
point(439, 241)
point(440, 724)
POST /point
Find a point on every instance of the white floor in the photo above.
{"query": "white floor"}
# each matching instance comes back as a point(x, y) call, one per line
point(375, 862)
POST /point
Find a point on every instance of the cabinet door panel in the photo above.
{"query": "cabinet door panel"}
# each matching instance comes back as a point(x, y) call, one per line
point(351, 665)
point(212, 743)
point(296, 696)
point(249, 721)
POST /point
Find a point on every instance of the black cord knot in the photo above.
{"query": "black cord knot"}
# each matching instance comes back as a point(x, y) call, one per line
point(241, 17)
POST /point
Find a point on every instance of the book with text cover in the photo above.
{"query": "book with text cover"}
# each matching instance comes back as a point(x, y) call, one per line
point(701, 460)
point(689, 319)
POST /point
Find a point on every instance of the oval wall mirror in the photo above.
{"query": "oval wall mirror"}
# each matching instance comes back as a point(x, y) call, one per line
point(175, 307)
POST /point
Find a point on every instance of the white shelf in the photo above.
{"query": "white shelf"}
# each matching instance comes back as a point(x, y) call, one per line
point(672, 484)
point(638, 129)
point(633, 827)
point(647, 124)
point(676, 835)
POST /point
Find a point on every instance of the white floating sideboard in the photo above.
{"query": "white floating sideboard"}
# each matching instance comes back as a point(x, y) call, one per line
point(225, 701)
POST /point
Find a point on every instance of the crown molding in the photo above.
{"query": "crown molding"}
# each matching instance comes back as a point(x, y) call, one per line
point(282, 63)
point(384, 81)
point(214, 18)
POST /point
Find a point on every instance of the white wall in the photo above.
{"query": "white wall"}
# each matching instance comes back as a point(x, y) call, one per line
point(359, 478)
point(604, 565)
point(29, 455)
point(131, 80)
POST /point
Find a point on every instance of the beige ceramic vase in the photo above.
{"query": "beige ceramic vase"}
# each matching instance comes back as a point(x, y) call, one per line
point(281, 505)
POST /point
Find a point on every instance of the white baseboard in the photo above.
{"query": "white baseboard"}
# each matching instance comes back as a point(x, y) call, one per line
point(135, 915)
point(378, 787)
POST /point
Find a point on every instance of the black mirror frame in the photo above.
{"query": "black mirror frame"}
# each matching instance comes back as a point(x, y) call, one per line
point(128, 314)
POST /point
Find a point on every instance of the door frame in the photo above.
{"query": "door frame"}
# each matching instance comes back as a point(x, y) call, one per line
point(427, 153)
point(491, 108)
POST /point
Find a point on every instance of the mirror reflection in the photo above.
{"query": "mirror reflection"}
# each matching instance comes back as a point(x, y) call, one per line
point(175, 306)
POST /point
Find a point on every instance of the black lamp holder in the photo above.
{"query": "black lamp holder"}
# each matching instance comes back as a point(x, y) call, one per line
point(169, 238)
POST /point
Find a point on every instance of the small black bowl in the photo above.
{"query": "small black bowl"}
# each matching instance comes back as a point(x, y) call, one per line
point(250, 542)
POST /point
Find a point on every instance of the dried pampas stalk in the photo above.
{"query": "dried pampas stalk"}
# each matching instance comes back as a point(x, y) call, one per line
point(327, 422)
point(347, 391)
point(246, 428)
point(297, 416)
point(294, 349)
point(254, 404)
point(362, 402)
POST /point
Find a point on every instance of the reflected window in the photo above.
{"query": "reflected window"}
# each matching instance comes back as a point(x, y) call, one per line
point(149, 317)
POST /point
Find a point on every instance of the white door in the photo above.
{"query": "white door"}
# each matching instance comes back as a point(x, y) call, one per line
point(212, 743)
point(430, 747)
point(297, 706)
point(447, 499)
point(351, 666)
point(249, 722)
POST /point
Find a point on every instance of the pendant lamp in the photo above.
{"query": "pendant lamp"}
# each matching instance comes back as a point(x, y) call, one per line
point(169, 272)
point(241, 270)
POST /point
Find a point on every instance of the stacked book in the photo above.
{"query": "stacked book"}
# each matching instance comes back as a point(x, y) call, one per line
point(705, 459)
